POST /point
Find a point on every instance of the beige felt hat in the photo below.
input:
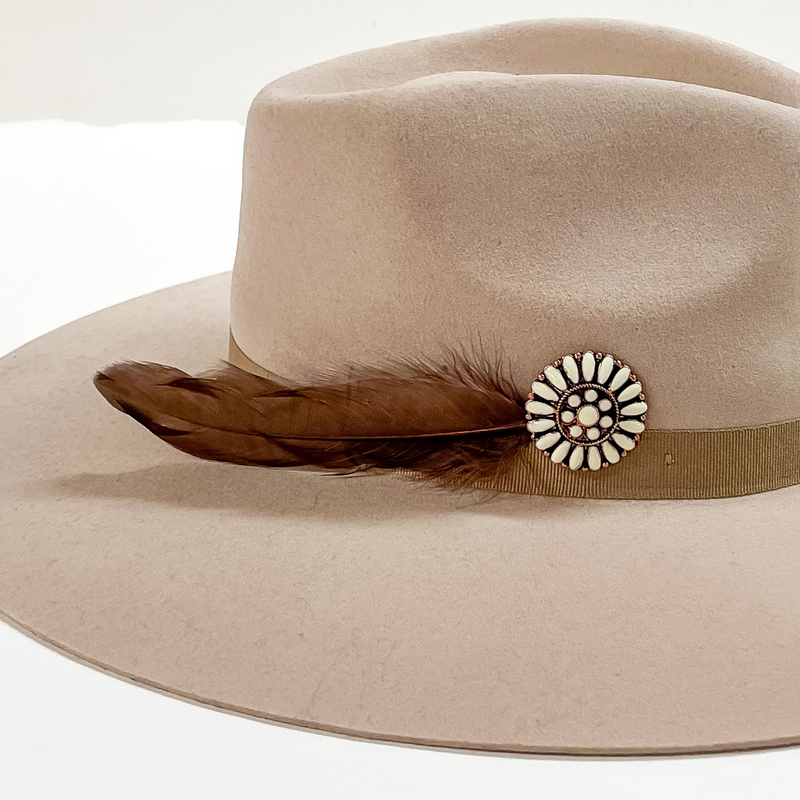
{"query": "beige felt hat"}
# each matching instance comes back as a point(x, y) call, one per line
point(611, 210)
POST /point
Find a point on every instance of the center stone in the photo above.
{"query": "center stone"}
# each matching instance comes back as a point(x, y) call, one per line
point(588, 415)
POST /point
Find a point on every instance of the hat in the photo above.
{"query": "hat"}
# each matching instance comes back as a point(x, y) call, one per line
point(490, 440)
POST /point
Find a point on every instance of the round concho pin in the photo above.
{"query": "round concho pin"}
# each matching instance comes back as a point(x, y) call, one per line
point(586, 410)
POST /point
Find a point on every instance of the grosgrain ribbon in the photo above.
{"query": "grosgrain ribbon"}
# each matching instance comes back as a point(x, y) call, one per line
point(666, 464)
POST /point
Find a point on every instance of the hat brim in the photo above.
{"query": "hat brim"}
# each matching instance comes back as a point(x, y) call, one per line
point(375, 606)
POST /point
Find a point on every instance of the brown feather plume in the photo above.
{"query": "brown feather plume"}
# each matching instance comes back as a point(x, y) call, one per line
point(453, 422)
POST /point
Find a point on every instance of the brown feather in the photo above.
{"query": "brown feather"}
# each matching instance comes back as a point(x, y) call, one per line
point(453, 422)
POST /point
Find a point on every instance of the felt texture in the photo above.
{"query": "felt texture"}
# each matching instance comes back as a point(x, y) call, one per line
point(543, 187)
point(371, 606)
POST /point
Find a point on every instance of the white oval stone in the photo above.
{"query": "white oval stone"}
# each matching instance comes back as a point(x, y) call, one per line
point(610, 452)
point(606, 422)
point(629, 392)
point(604, 370)
point(574, 401)
point(625, 442)
point(538, 425)
point(560, 453)
point(555, 377)
point(576, 459)
point(632, 425)
point(588, 415)
point(587, 365)
point(567, 416)
point(593, 433)
point(571, 368)
point(544, 390)
point(590, 395)
point(633, 409)
point(548, 440)
point(595, 462)
point(537, 407)
point(620, 378)
point(575, 431)
point(605, 404)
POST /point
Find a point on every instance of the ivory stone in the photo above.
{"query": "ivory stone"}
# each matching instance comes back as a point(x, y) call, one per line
point(610, 452)
point(538, 407)
point(548, 440)
point(537, 425)
point(623, 441)
point(560, 452)
point(587, 365)
point(632, 425)
point(544, 390)
point(620, 378)
point(632, 409)
point(571, 368)
point(576, 459)
point(555, 377)
point(604, 370)
point(629, 392)
point(588, 415)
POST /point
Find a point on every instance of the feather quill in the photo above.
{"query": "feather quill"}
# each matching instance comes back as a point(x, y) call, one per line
point(453, 422)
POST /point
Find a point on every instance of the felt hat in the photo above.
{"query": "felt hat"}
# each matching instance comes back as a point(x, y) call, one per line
point(535, 290)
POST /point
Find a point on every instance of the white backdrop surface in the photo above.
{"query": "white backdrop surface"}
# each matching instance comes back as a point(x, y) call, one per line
point(110, 61)
point(92, 215)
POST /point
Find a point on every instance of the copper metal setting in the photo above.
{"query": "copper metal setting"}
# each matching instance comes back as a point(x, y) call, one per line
point(586, 410)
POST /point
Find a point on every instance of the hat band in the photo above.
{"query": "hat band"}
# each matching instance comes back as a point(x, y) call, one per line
point(667, 463)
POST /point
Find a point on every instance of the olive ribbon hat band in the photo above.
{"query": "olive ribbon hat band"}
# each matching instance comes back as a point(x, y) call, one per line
point(666, 464)
point(671, 464)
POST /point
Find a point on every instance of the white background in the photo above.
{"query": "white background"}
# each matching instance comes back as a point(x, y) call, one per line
point(91, 216)
point(109, 61)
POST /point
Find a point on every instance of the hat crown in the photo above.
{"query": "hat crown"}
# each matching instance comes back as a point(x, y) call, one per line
point(547, 187)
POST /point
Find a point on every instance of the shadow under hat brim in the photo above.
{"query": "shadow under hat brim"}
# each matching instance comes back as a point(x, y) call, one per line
point(375, 606)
